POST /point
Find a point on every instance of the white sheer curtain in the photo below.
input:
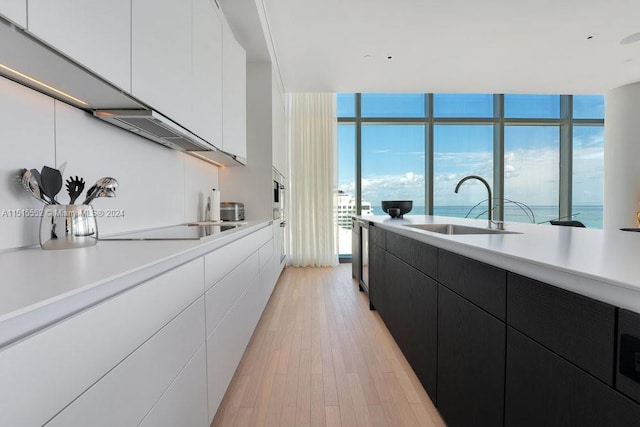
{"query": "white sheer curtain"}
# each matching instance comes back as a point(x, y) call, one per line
point(313, 179)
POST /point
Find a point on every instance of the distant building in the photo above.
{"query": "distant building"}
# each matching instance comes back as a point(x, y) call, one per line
point(347, 208)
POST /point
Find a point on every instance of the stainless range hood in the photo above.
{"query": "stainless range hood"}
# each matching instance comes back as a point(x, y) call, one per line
point(158, 128)
point(32, 63)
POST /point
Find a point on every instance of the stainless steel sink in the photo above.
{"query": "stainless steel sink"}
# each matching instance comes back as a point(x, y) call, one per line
point(454, 229)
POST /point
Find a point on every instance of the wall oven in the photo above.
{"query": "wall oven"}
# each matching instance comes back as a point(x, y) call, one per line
point(279, 209)
point(278, 194)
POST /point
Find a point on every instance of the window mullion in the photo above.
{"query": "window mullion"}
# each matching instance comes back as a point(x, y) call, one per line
point(428, 140)
point(566, 156)
point(498, 156)
point(358, 154)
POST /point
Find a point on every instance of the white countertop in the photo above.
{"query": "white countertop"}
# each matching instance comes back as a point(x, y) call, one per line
point(40, 287)
point(604, 265)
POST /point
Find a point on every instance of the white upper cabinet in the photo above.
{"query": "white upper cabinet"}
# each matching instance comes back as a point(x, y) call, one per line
point(207, 72)
point(234, 94)
point(178, 57)
point(95, 33)
point(161, 56)
point(176, 62)
point(15, 11)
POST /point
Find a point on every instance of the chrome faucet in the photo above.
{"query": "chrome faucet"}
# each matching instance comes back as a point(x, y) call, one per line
point(486, 184)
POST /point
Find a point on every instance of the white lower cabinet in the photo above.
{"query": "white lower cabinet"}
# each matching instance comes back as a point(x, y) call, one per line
point(218, 264)
point(126, 394)
point(42, 374)
point(185, 402)
point(266, 252)
point(268, 262)
point(222, 296)
point(160, 354)
point(233, 307)
point(226, 345)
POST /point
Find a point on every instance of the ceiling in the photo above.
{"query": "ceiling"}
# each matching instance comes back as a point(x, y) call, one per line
point(452, 46)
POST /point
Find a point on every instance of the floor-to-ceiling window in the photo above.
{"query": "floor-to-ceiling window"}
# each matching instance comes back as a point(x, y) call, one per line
point(462, 145)
point(541, 154)
point(532, 157)
point(392, 165)
point(347, 166)
point(588, 160)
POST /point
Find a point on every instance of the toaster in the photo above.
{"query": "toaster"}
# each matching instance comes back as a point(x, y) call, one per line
point(232, 211)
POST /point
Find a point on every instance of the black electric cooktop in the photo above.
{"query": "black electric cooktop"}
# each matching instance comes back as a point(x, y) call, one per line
point(195, 231)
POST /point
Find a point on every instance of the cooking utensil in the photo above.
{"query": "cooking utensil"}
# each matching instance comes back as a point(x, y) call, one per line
point(90, 192)
point(105, 192)
point(75, 186)
point(106, 183)
point(99, 192)
point(62, 167)
point(36, 174)
point(30, 183)
point(51, 182)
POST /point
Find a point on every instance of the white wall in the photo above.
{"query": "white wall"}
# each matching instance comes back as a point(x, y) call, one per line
point(158, 186)
point(27, 141)
point(621, 154)
point(279, 139)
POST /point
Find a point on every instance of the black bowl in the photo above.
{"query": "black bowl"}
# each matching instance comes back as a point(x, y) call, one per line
point(397, 208)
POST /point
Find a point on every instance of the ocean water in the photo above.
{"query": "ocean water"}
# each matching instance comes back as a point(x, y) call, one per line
point(590, 216)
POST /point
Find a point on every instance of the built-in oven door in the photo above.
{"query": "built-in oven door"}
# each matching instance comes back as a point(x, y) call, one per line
point(279, 209)
point(276, 197)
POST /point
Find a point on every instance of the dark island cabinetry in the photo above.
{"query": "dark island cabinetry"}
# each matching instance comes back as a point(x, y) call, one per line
point(412, 318)
point(544, 389)
point(495, 348)
point(628, 360)
point(356, 255)
point(471, 352)
point(378, 292)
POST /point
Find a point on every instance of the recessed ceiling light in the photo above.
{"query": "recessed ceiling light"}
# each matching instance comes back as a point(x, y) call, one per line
point(367, 56)
point(631, 38)
point(591, 36)
point(389, 57)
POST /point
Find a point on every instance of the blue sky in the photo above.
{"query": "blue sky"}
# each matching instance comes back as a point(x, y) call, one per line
point(393, 162)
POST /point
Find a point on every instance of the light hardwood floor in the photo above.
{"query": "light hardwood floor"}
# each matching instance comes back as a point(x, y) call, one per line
point(319, 357)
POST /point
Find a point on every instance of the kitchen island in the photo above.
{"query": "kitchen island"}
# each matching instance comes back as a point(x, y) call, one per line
point(600, 264)
point(537, 326)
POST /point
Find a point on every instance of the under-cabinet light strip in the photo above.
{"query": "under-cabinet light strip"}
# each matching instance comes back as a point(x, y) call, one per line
point(206, 159)
point(44, 85)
